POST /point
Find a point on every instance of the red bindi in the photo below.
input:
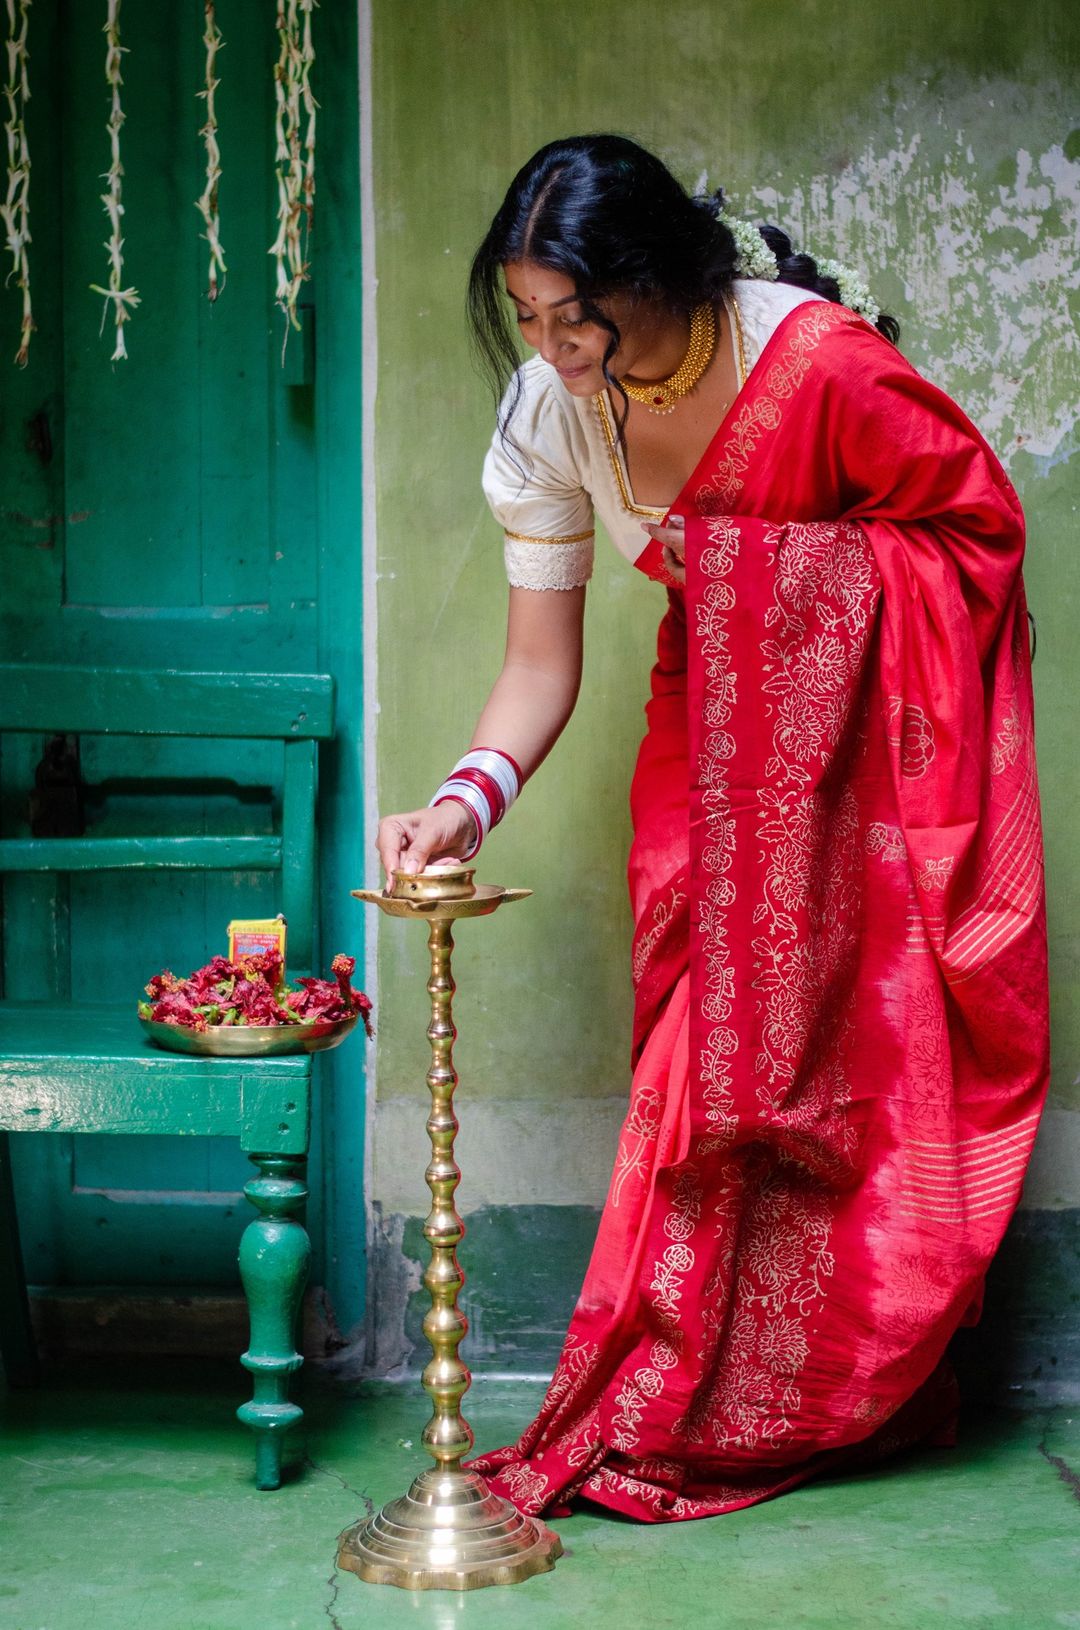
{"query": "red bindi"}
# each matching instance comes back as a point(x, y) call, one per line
point(532, 297)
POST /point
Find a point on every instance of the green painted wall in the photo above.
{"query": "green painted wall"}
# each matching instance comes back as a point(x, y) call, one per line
point(933, 145)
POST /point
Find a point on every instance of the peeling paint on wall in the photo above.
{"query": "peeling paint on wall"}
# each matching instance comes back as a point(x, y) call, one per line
point(978, 239)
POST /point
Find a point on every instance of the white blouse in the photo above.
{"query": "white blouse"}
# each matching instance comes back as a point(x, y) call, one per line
point(574, 467)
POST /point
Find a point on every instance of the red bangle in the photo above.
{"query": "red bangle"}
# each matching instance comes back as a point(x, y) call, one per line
point(452, 798)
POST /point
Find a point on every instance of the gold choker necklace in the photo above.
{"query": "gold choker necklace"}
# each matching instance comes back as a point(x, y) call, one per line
point(662, 396)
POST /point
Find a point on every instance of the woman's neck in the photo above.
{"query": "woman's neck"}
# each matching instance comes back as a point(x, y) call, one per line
point(662, 349)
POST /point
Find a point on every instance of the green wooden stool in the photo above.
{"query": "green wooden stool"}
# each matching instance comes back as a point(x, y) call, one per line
point(71, 1068)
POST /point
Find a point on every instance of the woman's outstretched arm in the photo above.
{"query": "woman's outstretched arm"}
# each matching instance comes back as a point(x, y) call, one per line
point(524, 715)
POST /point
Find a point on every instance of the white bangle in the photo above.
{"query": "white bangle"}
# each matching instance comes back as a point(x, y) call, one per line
point(502, 770)
point(486, 781)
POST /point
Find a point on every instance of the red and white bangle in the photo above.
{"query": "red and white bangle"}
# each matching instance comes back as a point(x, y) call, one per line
point(486, 781)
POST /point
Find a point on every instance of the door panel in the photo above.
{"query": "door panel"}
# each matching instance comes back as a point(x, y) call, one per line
point(163, 511)
point(176, 494)
point(174, 512)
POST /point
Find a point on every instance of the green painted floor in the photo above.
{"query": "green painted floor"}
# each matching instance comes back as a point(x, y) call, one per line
point(127, 1501)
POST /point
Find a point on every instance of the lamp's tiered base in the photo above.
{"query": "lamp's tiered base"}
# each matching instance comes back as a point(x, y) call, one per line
point(448, 1533)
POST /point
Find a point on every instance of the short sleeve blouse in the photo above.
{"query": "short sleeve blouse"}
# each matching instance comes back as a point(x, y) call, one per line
point(539, 500)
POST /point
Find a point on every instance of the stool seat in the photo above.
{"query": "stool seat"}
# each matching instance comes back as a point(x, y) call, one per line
point(86, 1068)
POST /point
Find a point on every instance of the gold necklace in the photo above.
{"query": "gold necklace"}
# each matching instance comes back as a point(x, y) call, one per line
point(662, 396)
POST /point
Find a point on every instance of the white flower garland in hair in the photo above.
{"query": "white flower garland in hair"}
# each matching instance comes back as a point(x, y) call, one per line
point(207, 205)
point(853, 291)
point(295, 171)
point(121, 298)
point(15, 210)
point(753, 256)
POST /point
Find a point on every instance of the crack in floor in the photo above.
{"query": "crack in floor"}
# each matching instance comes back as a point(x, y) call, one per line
point(334, 1583)
point(1070, 1478)
point(325, 1471)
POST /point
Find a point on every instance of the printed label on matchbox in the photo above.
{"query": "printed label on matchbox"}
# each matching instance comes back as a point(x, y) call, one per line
point(254, 936)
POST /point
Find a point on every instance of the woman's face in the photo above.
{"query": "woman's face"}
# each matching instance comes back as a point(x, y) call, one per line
point(552, 320)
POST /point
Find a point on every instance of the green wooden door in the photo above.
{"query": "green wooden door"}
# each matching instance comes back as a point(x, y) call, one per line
point(194, 506)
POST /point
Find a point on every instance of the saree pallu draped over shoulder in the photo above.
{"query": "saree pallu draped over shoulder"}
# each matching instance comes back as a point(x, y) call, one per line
point(840, 1037)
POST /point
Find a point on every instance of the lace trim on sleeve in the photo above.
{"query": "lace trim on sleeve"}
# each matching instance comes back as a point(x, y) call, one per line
point(549, 563)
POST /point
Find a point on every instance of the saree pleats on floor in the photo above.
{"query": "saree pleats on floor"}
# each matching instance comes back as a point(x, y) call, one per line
point(840, 1039)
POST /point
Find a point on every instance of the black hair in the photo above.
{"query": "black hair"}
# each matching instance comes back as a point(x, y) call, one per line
point(611, 217)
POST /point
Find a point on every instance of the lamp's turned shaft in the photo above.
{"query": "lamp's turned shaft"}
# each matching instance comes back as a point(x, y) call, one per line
point(450, 1531)
point(447, 1437)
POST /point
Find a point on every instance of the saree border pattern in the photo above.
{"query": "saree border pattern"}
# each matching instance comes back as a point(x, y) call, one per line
point(762, 1298)
point(808, 327)
point(720, 684)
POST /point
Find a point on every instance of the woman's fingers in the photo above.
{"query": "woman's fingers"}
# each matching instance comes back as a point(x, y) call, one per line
point(406, 843)
point(414, 859)
point(391, 842)
point(675, 564)
point(672, 536)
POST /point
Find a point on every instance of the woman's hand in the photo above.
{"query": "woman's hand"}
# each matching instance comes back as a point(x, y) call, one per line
point(673, 538)
point(406, 843)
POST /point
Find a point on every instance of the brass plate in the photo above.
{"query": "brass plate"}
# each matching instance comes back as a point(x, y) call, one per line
point(250, 1040)
point(487, 898)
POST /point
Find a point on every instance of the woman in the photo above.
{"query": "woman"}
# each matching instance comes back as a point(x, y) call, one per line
point(840, 1040)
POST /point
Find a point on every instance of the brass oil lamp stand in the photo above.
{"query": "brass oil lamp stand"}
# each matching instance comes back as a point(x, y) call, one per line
point(449, 1532)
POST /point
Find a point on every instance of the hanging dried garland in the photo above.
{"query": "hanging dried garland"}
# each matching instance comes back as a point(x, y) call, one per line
point(294, 129)
point(294, 156)
point(121, 298)
point(15, 211)
point(207, 205)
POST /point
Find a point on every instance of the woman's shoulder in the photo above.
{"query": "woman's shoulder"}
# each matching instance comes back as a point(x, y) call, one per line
point(763, 307)
point(761, 299)
point(539, 414)
point(538, 440)
point(541, 394)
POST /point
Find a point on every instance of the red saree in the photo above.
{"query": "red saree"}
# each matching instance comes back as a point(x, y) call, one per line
point(839, 958)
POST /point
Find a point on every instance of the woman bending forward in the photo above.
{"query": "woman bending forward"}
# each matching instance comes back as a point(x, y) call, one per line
point(840, 1038)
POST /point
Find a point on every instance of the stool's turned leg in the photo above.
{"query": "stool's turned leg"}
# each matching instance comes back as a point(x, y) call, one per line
point(16, 1333)
point(274, 1251)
